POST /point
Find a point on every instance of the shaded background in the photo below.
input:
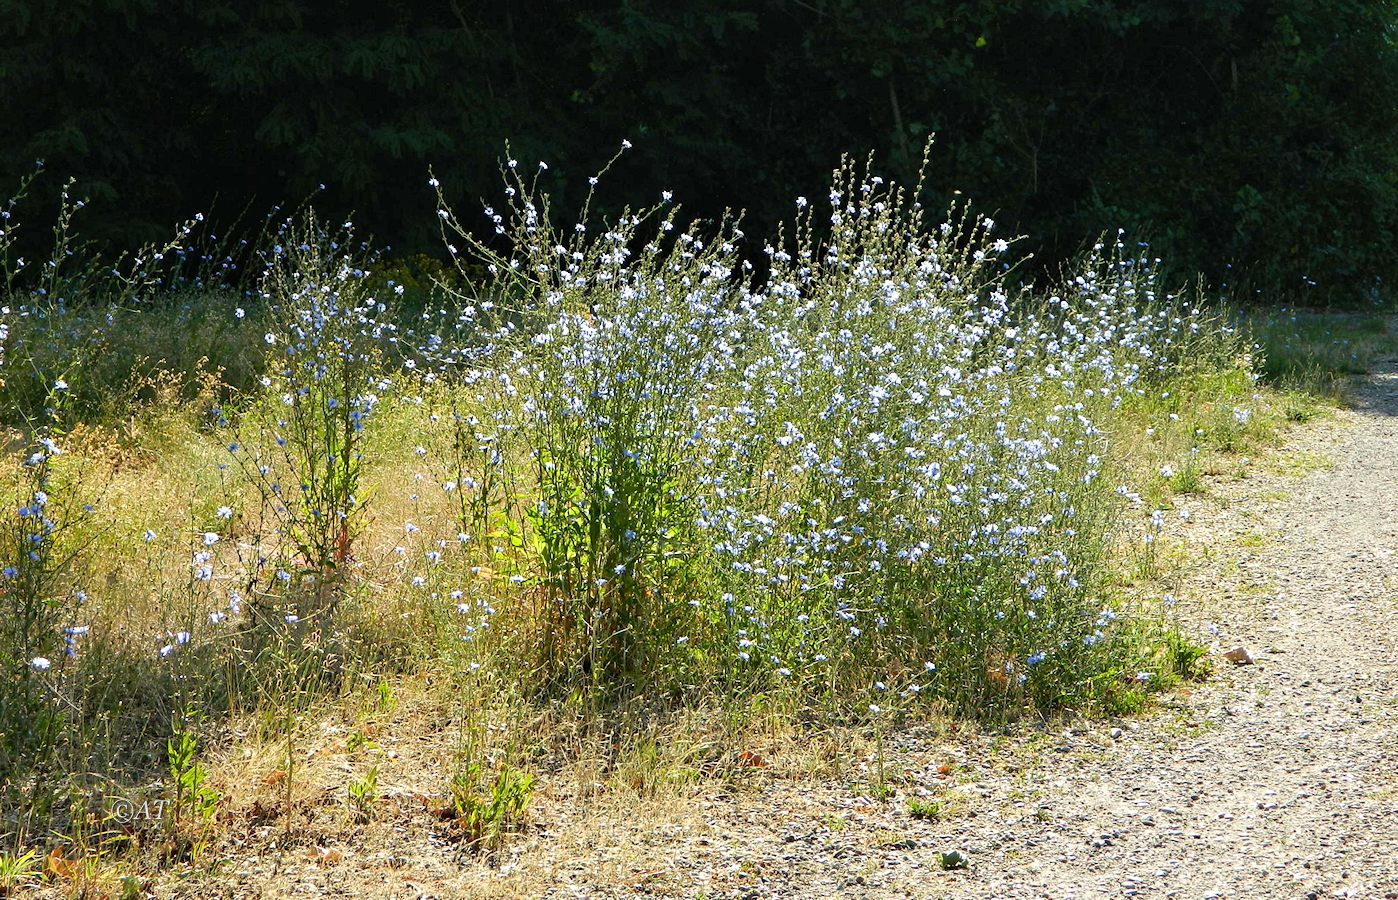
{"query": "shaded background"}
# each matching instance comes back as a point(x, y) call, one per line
point(1252, 134)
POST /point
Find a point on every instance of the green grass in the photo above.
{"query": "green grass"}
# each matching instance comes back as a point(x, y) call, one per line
point(926, 810)
point(1316, 353)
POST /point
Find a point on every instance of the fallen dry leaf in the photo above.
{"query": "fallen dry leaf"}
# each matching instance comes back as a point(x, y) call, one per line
point(749, 760)
point(56, 865)
point(327, 856)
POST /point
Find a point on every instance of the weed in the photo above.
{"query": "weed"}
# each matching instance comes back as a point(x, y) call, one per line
point(39, 606)
point(927, 810)
point(194, 803)
point(485, 807)
point(359, 741)
point(18, 870)
point(363, 794)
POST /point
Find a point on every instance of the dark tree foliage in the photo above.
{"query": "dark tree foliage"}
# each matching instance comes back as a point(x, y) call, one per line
point(1258, 134)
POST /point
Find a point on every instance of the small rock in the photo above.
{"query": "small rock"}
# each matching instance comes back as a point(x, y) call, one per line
point(954, 859)
point(1239, 656)
point(1116, 733)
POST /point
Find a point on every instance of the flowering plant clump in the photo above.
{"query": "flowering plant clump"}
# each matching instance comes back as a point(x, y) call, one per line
point(587, 356)
point(58, 314)
point(35, 607)
point(301, 441)
point(880, 455)
point(39, 602)
point(910, 470)
point(618, 458)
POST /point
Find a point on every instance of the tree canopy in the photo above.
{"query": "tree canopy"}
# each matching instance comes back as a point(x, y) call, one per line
point(1259, 135)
